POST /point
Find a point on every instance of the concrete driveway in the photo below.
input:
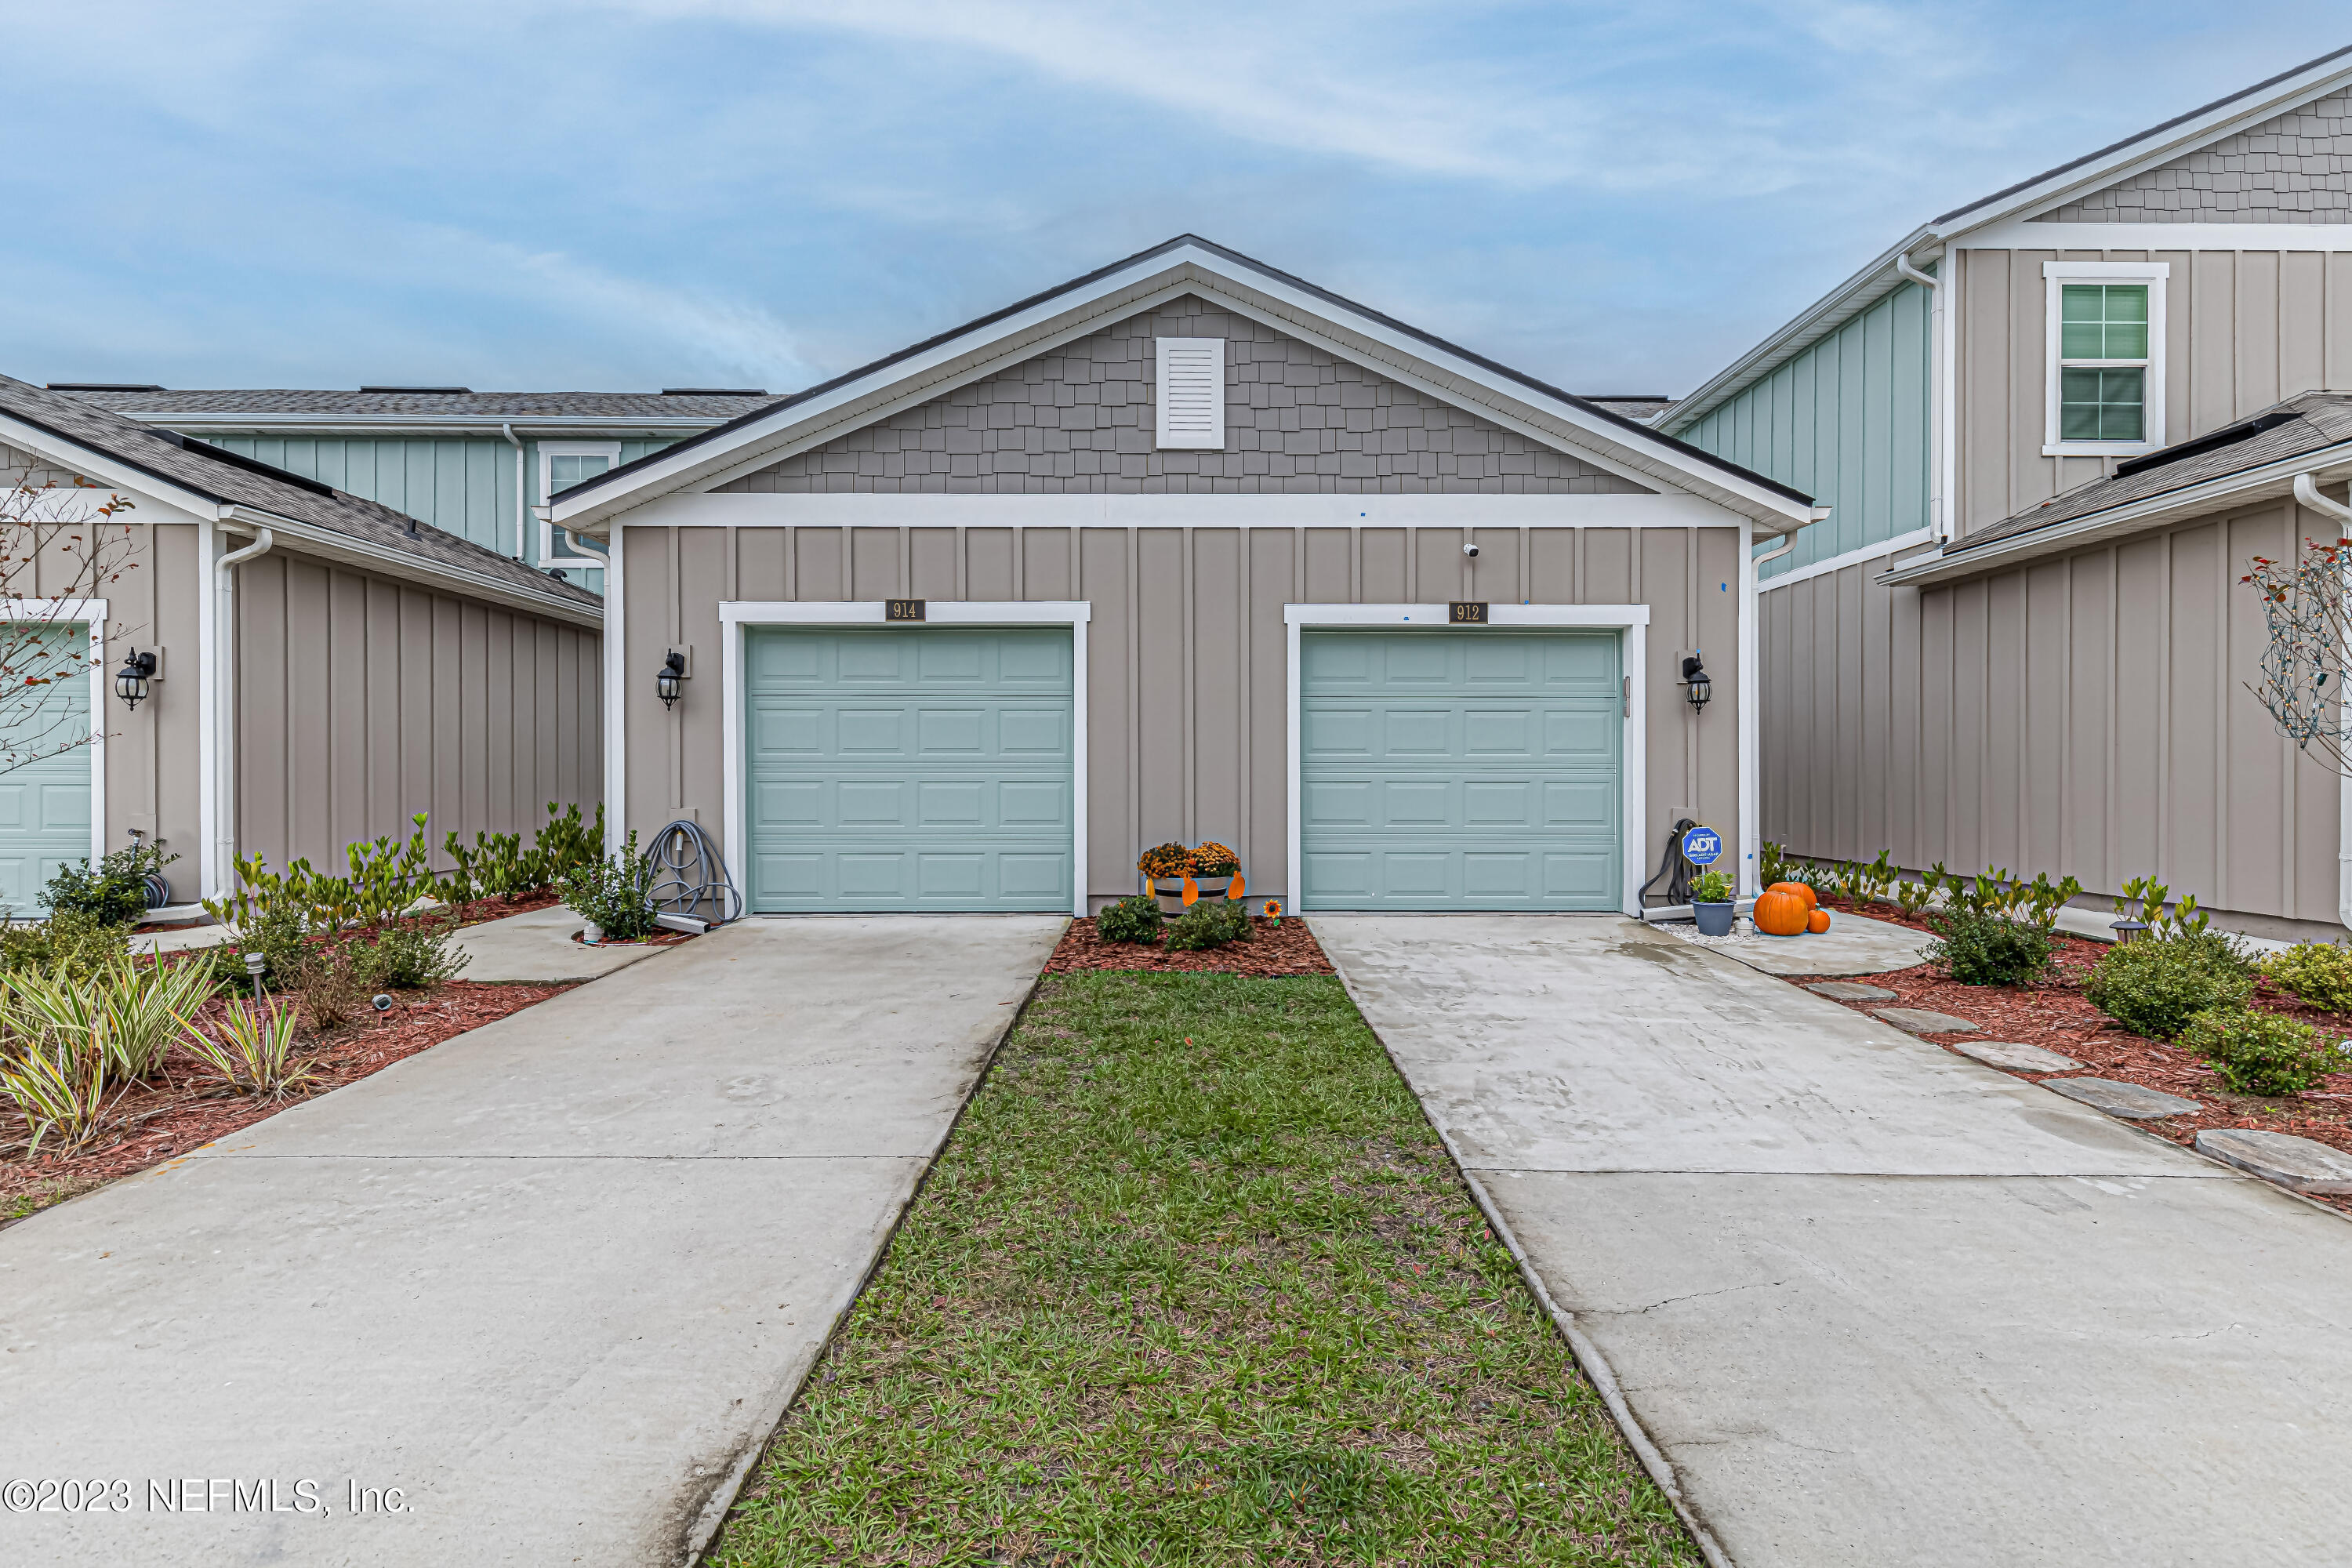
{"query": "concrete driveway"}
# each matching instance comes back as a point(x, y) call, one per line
point(536, 1296)
point(1860, 1301)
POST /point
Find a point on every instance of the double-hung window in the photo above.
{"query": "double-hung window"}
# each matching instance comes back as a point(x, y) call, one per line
point(2106, 349)
point(562, 465)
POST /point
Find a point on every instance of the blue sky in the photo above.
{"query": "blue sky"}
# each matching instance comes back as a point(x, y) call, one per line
point(649, 193)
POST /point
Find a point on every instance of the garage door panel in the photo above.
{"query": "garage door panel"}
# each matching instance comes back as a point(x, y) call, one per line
point(1460, 770)
point(901, 768)
point(44, 803)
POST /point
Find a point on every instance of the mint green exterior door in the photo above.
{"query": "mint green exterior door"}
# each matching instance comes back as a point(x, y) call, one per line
point(44, 803)
point(908, 768)
point(1461, 770)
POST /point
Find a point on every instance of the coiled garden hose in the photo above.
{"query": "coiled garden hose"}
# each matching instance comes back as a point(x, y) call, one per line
point(688, 871)
point(1674, 869)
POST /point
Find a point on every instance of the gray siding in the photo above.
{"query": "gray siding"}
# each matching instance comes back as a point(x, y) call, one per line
point(1846, 422)
point(1187, 649)
point(151, 754)
point(2293, 169)
point(1079, 419)
point(362, 701)
point(2084, 714)
point(2242, 329)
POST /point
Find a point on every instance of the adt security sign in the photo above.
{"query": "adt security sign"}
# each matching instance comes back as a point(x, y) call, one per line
point(1702, 845)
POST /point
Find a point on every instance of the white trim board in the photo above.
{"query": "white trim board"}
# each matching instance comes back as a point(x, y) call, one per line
point(2021, 233)
point(1631, 620)
point(734, 615)
point(1839, 563)
point(91, 613)
point(704, 510)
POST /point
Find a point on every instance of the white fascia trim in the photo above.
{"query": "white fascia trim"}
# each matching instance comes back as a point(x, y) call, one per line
point(734, 615)
point(2271, 481)
point(2056, 276)
point(1631, 620)
point(1868, 552)
point(2022, 233)
point(705, 510)
point(91, 613)
point(351, 549)
point(106, 470)
point(1188, 271)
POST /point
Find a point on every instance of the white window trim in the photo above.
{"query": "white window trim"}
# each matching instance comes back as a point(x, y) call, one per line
point(547, 452)
point(2056, 276)
point(1167, 439)
point(92, 613)
point(1631, 621)
point(734, 615)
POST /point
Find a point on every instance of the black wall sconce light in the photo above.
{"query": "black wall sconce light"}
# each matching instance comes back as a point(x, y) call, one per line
point(1696, 688)
point(131, 680)
point(670, 683)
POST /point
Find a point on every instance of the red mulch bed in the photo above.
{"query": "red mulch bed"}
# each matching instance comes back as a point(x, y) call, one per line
point(1273, 951)
point(183, 1106)
point(2054, 1014)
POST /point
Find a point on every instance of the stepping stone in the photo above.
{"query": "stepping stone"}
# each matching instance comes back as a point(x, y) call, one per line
point(2126, 1099)
point(1924, 1021)
point(2014, 1056)
point(1847, 991)
point(2303, 1164)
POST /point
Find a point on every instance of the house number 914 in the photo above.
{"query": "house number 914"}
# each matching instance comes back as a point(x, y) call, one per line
point(1467, 611)
point(903, 609)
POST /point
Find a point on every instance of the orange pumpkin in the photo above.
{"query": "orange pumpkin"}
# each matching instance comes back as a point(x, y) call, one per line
point(1818, 921)
point(1781, 911)
point(1803, 889)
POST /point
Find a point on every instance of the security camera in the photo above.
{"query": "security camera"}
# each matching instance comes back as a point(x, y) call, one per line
point(1471, 550)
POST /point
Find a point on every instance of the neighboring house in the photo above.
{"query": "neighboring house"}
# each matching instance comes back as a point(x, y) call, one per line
point(478, 464)
point(1181, 545)
point(330, 666)
point(1959, 672)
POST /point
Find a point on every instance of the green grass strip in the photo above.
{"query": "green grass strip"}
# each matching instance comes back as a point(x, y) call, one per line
point(1194, 1282)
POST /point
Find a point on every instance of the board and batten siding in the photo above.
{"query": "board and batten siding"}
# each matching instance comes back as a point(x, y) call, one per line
point(1845, 421)
point(2243, 330)
point(362, 701)
point(2082, 714)
point(1187, 678)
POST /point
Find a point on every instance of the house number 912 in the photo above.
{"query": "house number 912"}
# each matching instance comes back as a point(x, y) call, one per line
point(903, 609)
point(1467, 611)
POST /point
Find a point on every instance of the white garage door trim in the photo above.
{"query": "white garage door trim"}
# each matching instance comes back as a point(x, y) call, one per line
point(93, 613)
point(735, 615)
point(1631, 620)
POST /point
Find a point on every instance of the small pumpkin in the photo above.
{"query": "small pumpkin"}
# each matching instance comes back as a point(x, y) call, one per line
point(1779, 911)
point(1803, 889)
point(1818, 921)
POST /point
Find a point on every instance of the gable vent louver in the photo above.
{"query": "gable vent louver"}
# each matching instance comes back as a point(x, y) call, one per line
point(1192, 392)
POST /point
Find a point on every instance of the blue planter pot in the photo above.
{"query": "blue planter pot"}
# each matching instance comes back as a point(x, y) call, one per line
point(1714, 920)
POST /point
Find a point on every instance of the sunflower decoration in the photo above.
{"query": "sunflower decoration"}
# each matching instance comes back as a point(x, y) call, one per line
point(1274, 912)
point(1214, 859)
point(1165, 860)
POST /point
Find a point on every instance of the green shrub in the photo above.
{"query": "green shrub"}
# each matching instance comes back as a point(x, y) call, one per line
point(1132, 919)
point(1982, 948)
point(1914, 895)
point(1710, 888)
point(1210, 924)
point(115, 893)
point(616, 895)
point(499, 866)
point(279, 930)
point(2262, 1053)
point(409, 956)
point(2155, 985)
point(67, 944)
point(2319, 973)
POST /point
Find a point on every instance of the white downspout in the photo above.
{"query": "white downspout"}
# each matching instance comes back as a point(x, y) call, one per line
point(2307, 491)
point(522, 493)
point(224, 813)
point(1939, 506)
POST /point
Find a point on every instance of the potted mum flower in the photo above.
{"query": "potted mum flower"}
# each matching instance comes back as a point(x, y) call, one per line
point(1165, 867)
point(1214, 867)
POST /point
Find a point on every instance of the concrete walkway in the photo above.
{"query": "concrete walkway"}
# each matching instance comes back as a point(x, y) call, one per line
point(1854, 944)
point(1862, 1302)
point(554, 1280)
point(538, 946)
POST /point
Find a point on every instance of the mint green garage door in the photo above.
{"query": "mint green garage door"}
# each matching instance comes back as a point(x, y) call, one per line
point(45, 802)
point(908, 768)
point(1461, 770)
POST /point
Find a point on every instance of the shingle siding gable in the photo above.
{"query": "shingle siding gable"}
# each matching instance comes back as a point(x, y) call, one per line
point(1078, 419)
point(2296, 168)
